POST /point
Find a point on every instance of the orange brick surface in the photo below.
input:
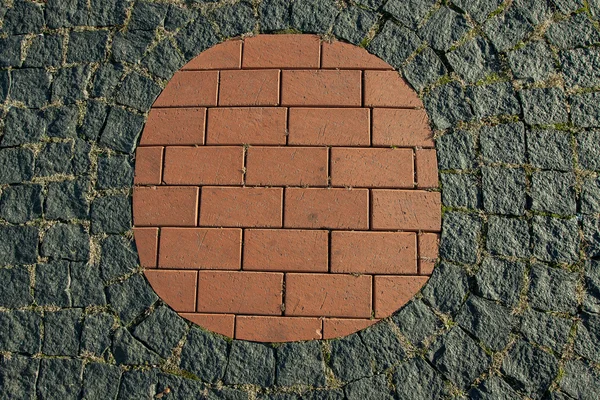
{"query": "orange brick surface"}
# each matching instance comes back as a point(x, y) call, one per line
point(338, 327)
point(346, 56)
point(388, 89)
point(321, 88)
point(228, 55)
point(173, 126)
point(219, 323)
point(205, 165)
point(146, 240)
point(282, 51)
point(294, 166)
point(329, 126)
point(412, 210)
point(401, 127)
point(149, 165)
point(190, 89)
point(392, 292)
point(258, 125)
point(165, 206)
point(426, 168)
point(176, 288)
point(277, 329)
point(249, 88)
point(429, 244)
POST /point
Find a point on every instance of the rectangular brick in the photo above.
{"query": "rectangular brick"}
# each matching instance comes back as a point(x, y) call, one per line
point(329, 127)
point(257, 125)
point(389, 89)
point(277, 329)
point(241, 207)
point(148, 165)
point(283, 166)
point(174, 126)
point(249, 88)
point(426, 168)
point(227, 55)
point(176, 288)
point(412, 210)
point(392, 292)
point(165, 206)
point(401, 127)
point(218, 323)
point(146, 241)
point(282, 51)
point(368, 167)
point(340, 327)
point(392, 253)
point(286, 250)
point(340, 55)
point(327, 295)
point(190, 89)
point(200, 248)
point(327, 208)
point(337, 88)
point(244, 292)
point(429, 244)
point(205, 165)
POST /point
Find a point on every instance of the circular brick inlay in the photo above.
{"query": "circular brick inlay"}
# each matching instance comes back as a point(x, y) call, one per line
point(286, 189)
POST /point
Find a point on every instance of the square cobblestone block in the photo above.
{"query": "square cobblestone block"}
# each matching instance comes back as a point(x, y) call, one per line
point(503, 143)
point(196, 37)
point(121, 130)
point(460, 237)
point(111, 214)
point(553, 192)
point(147, 16)
point(416, 321)
point(487, 321)
point(508, 237)
point(419, 379)
point(350, 359)
point(60, 378)
point(585, 110)
point(204, 355)
point(130, 46)
point(52, 284)
point(553, 289)
point(238, 18)
point(25, 332)
point(497, 99)
point(590, 196)
point(10, 51)
point(99, 380)
point(587, 341)
point(300, 363)
point(444, 27)
point(23, 17)
point(69, 84)
point(587, 150)
point(108, 12)
point(22, 126)
point(95, 336)
point(106, 78)
point(21, 203)
point(446, 299)
point(16, 165)
point(461, 190)
point(114, 172)
point(550, 149)
point(576, 31)
point(18, 244)
point(54, 158)
point(18, 375)
point(394, 44)
point(69, 242)
point(62, 332)
point(87, 46)
point(529, 369)
point(546, 329)
point(532, 61)
point(508, 28)
point(138, 92)
point(581, 67)
point(504, 190)
point(544, 106)
point(424, 69)
point(62, 121)
point(274, 15)
point(163, 60)
point(474, 60)
point(500, 280)
point(555, 240)
point(456, 150)
point(136, 384)
point(384, 345)
point(45, 51)
point(87, 289)
point(15, 291)
point(152, 331)
point(131, 297)
point(118, 257)
point(67, 200)
point(353, 24)
point(252, 363)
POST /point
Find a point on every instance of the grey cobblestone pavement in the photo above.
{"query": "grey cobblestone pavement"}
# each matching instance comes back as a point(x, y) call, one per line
point(512, 311)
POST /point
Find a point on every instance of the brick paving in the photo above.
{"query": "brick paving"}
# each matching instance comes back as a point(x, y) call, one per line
point(286, 189)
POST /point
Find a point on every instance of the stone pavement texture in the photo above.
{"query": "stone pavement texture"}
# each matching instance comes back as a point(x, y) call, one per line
point(250, 226)
point(511, 310)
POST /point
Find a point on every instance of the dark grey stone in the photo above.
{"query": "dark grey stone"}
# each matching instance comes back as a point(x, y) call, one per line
point(68, 242)
point(229, 394)
point(330, 394)
point(313, 16)
point(274, 15)
point(119, 257)
point(147, 16)
point(461, 190)
point(374, 4)
point(384, 345)
point(545, 329)
point(443, 28)
point(152, 332)
point(581, 67)
point(591, 234)
point(534, 61)
point(69, 84)
point(424, 69)
point(587, 341)
point(553, 192)
point(67, 200)
point(130, 46)
point(59, 379)
point(10, 51)
point(114, 172)
point(235, 19)
point(536, 11)
point(111, 214)
point(106, 79)
point(496, 99)
point(416, 321)
point(204, 355)
point(591, 301)
point(300, 364)
point(138, 91)
point(30, 86)
point(500, 280)
point(594, 6)
point(163, 60)
point(508, 237)
point(121, 130)
point(503, 143)
point(99, 381)
point(108, 12)
point(408, 13)
point(4, 85)
point(54, 158)
point(62, 121)
point(87, 46)
point(460, 237)
point(22, 126)
point(250, 363)
point(22, 331)
point(45, 51)
point(369, 388)
point(474, 60)
point(177, 16)
point(417, 380)
point(52, 284)
point(350, 359)
point(23, 17)
point(353, 24)
point(21, 203)
point(587, 150)
point(95, 337)
point(447, 288)
point(478, 9)
point(555, 240)
point(18, 376)
point(196, 37)
point(553, 289)
point(18, 244)
point(568, 6)
point(580, 380)
point(585, 110)
point(81, 157)
point(93, 122)
point(550, 149)
point(508, 28)
point(127, 350)
point(504, 190)
point(136, 384)
point(16, 165)
point(66, 13)
point(544, 106)
point(87, 289)
point(15, 289)
point(62, 332)
point(529, 369)
point(394, 44)
point(493, 388)
point(456, 150)
point(181, 388)
point(576, 31)
point(487, 321)
point(590, 196)
point(446, 105)
point(131, 297)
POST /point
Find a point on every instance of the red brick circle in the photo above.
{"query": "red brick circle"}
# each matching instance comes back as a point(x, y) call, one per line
point(285, 189)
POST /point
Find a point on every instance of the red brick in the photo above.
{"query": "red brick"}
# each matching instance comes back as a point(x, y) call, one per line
point(240, 292)
point(176, 288)
point(205, 165)
point(346, 56)
point(329, 126)
point(148, 165)
point(321, 88)
point(327, 295)
point(226, 55)
point(429, 244)
point(388, 89)
point(218, 323)
point(392, 292)
point(174, 126)
point(260, 125)
point(412, 210)
point(374, 253)
point(146, 241)
point(277, 329)
point(284, 166)
point(249, 88)
point(327, 208)
point(282, 51)
point(165, 206)
point(340, 327)
point(401, 127)
point(190, 89)
point(198, 248)
point(364, 167)
point(243, 207)
point(427, 170)
point(286, 250)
